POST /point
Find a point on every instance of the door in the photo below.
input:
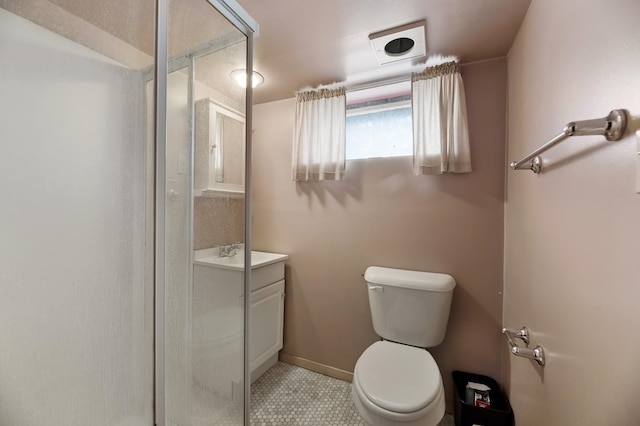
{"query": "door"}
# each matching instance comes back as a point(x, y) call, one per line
point(203, 47)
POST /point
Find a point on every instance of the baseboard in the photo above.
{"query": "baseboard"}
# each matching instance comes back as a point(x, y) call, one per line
point(317, 367)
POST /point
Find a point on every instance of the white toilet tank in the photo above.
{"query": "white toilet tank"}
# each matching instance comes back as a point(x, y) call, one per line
point(409, 307)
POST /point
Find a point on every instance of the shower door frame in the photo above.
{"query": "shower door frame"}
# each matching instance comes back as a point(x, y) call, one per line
point(232, 11)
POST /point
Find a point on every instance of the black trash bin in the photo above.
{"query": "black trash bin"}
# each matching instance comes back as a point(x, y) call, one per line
point(498, 414)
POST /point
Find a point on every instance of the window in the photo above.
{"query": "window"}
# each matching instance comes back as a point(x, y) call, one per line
point(379, 129)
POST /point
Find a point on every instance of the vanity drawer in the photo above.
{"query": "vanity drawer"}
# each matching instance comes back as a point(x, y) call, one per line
point(265, 275)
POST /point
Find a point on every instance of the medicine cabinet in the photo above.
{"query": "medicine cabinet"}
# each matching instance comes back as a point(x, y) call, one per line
point(219, 148)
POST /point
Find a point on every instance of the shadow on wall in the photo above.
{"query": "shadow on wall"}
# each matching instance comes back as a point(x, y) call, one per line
point(548, 166)
point(473, 334)
point(457, 186)
point(350, 187)
point(396, 178)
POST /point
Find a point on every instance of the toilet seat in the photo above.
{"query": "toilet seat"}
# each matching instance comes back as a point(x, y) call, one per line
point(398, 382)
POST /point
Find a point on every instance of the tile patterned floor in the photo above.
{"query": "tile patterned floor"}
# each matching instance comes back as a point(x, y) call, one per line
point(291, 396)
point(209, 409)
point(286, 395)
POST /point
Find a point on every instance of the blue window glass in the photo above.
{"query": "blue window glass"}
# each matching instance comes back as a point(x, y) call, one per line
point(379, 131)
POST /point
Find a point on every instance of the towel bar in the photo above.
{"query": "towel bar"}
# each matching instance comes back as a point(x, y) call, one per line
point(536, 353)
point(612, 127)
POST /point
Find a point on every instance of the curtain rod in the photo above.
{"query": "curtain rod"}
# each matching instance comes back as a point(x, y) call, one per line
point(378, 83)
point(400, 78)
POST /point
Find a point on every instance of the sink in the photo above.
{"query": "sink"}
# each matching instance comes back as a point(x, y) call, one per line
point(236, 262)
point(266, 268)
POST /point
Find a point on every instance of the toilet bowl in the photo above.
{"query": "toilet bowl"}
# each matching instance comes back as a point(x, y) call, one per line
point(398, 384)
point(396, 381)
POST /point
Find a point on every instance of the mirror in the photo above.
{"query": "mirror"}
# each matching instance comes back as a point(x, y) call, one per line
point(220, 148)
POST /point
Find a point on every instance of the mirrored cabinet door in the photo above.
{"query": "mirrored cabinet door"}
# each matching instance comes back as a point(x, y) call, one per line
point(220, 148)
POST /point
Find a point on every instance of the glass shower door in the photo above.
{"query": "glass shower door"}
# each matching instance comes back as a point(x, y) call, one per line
point(203, 308)
point(78, 223)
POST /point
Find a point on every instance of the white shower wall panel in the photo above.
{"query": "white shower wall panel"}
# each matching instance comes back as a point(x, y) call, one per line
point(76, 334)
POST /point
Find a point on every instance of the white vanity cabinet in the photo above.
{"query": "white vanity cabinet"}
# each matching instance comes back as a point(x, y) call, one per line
point(266, 327)
point(218, 317)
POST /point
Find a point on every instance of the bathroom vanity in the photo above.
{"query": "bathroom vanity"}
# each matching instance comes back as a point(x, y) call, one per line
point(218, 306)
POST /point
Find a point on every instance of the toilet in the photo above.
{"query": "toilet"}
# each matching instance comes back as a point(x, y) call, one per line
point(396, 381)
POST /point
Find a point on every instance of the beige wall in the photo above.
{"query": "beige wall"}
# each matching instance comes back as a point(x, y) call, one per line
point(217, 221)
point(573, 233)
point(382, 215)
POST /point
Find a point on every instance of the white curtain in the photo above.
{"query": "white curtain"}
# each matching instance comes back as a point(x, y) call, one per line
point(319, 135)
point(440, 134)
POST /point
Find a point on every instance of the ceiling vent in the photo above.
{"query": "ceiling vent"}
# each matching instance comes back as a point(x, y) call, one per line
point(400, 43)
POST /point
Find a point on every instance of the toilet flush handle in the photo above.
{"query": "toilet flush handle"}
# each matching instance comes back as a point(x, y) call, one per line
point(376, 288)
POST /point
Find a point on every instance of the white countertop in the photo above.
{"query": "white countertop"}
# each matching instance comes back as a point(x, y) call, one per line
point(209, 257)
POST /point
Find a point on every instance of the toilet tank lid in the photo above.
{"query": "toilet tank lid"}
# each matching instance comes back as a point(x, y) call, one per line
point(417, 280)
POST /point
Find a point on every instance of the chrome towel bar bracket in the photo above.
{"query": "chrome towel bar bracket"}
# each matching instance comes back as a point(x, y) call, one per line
point(536, 353)
point(612, 127)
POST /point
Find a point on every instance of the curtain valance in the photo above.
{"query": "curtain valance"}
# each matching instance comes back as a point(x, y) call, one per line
point(440, 133)
point(319, 135)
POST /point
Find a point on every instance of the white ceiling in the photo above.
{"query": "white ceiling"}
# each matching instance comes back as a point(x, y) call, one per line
point(302, 43)
point(306, 43)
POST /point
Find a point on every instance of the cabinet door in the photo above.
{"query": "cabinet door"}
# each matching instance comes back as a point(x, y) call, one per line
point(267, 315)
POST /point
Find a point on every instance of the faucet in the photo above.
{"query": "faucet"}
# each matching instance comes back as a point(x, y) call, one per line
point(230, 250)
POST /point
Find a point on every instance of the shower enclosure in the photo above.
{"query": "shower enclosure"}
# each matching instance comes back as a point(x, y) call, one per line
point(97, 129)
